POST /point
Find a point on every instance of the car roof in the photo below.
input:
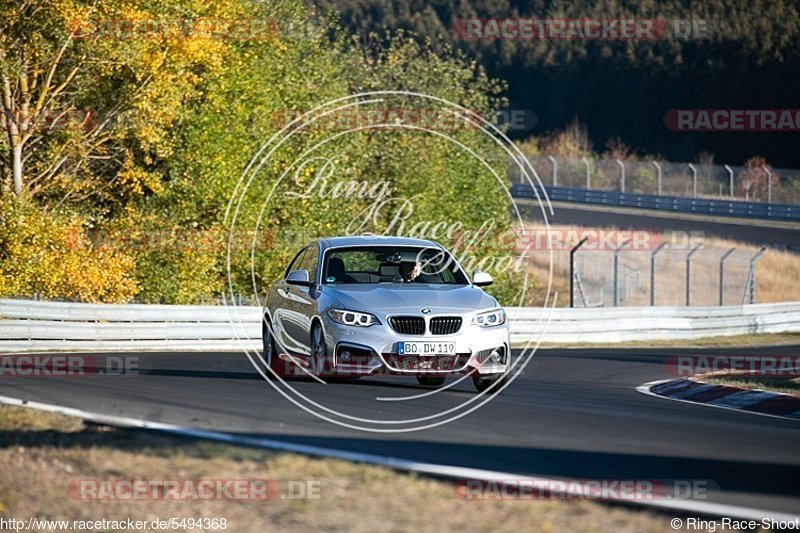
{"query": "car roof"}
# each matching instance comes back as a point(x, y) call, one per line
point(374, 240)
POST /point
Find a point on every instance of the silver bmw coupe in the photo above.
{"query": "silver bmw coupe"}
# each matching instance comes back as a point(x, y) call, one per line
point(353, 306)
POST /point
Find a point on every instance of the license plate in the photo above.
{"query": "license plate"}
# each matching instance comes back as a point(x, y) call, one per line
point(426, 348)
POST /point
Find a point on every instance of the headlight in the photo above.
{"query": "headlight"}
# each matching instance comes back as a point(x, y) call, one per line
point(353, 318)
point(487, 319)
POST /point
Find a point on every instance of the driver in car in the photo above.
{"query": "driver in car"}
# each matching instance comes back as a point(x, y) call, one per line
point(410, 271)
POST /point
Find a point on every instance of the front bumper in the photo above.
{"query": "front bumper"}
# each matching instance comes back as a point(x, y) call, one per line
point(374, 350)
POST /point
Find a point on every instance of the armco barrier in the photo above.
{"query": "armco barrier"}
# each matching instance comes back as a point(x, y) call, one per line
point(703, 206)
point(42, 326)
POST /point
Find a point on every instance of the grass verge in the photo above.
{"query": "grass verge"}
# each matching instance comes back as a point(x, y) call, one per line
point(733, 341)
point(775, 272)
point(781, 384)
point(40, 453)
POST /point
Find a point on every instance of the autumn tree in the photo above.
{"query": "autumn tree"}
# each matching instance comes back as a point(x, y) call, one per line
point(755, 182)
point(88, 97)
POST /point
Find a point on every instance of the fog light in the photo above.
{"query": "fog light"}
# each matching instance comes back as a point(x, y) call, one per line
point(494, 357)
point(345, 355)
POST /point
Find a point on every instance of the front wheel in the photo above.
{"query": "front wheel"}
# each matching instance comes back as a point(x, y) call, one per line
point(491, 383)
point(270, 354)
point(431, 381)
point(319, 360)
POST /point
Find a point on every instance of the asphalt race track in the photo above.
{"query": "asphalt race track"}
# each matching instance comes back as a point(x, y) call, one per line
point(574, 413)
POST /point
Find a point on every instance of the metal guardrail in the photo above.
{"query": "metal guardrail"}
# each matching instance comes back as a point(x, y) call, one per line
point(751, 183)
point(44, 326)
point(727, 208)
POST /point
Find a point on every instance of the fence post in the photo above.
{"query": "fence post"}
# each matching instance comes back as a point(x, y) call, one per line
point(572, 271)
point(555, 169)
point(689, 273)
point(522, 171)
point(658, 169)
point(730, 177)
point(621, 175)
point(769, 184)
point(750, 287)
point(588, 173)
point(616, 271)
point(694, 180)
point(653, 272)
point(722, 274)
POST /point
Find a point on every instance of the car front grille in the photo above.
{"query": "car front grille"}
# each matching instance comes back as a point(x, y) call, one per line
point(445, 325)
point(441, 363)
point(408, 325)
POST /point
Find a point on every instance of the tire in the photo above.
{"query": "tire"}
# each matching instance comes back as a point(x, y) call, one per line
point(319, 360)
point(483, 383)
point(270, 353)
point(431, 381)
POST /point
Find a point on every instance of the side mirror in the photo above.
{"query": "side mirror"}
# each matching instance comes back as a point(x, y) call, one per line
point(299, 277)
point(481, 279)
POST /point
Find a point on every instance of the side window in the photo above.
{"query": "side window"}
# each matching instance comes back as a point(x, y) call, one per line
point(295, 264)
point(308, 261)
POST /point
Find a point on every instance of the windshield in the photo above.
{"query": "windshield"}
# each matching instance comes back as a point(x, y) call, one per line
point(391, 264)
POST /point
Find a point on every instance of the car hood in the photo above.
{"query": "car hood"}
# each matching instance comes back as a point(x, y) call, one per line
point(410, 298)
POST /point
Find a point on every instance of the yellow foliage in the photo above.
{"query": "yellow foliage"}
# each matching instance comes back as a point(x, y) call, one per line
point(52, 255)
point(137, 180)
point(173, 264)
